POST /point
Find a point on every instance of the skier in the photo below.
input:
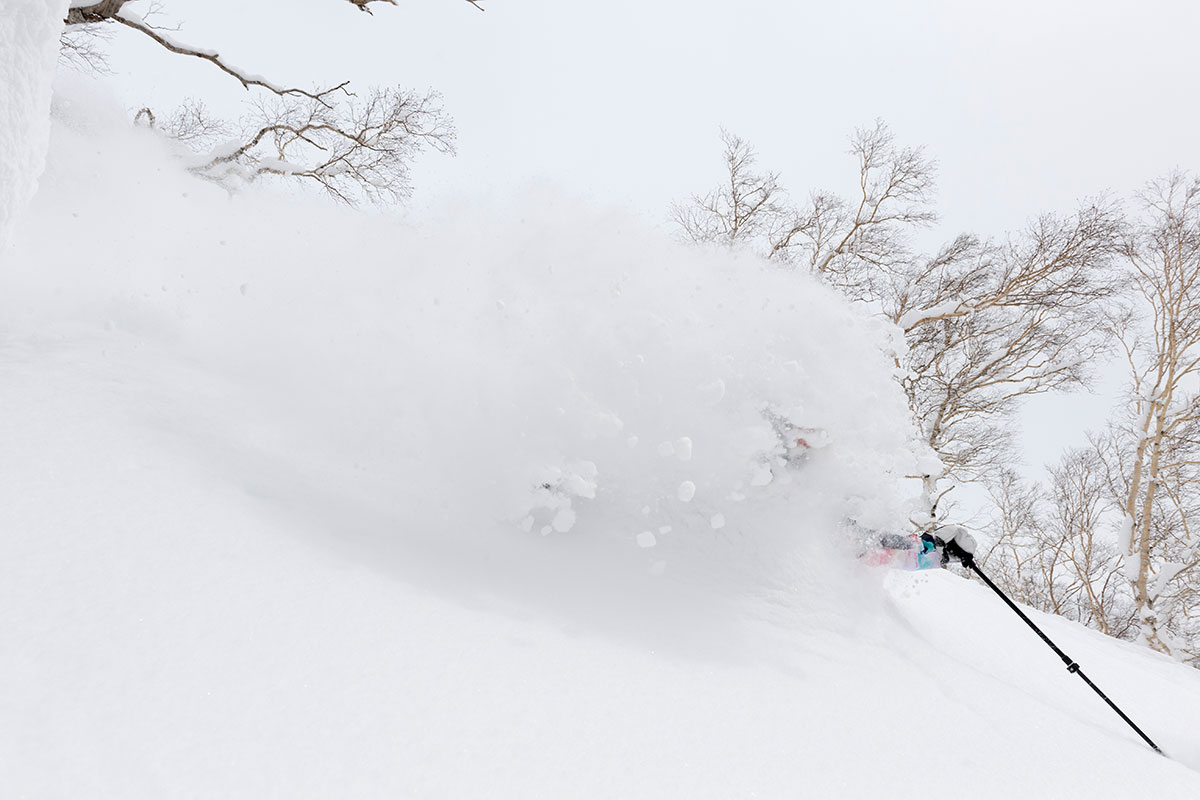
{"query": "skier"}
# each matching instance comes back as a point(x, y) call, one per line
point(934, 548)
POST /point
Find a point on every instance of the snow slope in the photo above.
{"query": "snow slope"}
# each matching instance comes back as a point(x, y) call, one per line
point(273, 524)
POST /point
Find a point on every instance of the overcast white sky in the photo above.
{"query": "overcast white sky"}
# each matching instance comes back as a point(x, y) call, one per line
point(1027, 106)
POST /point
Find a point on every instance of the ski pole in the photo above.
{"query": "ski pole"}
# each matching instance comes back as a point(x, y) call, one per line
point(1071, 665)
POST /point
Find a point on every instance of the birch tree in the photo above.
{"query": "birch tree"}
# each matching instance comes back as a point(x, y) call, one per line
point(1089, 588)
point(747, 207)
point(1052, 547)
point(989, 324)
point(1158, 456)
point(1014, 533)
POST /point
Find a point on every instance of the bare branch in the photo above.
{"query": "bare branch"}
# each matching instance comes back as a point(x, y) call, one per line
point(115, 11)
point(192, 125)
point(82, 47)
point(351, 150)
point(363, 4)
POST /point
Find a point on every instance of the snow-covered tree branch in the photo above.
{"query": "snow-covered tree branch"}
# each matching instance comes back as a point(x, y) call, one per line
point(353, 147)
point(989, 324)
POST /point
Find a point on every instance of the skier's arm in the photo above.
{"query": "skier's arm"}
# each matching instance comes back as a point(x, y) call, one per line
point(957, 544)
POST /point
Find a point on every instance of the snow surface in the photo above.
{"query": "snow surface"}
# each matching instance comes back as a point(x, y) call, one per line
point(284, 514)
point(29, 31)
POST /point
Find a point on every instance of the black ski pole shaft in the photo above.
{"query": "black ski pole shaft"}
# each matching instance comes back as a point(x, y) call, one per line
point(1071, 665)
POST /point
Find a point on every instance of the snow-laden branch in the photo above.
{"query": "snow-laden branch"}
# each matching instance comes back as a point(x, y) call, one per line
point(116, 11)
point(944, 310)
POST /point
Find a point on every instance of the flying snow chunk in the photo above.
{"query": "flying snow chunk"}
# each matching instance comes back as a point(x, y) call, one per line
point(717, 521)
point(646, 539)
point(683, 448)
point(564, 520)
point(762, 476)
point(687, 490)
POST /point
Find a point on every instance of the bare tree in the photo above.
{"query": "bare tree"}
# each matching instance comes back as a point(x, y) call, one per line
point(1011, 558)
point(1056, 550)
point(1090, 589)
point(1158, 454)
point(849, 243)
point(857, 243)
point(352, 147)
point(745, 208)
